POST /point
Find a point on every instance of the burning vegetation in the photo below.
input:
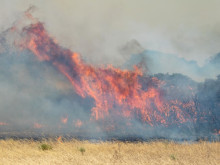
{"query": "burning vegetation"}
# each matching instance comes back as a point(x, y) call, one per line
point(126, 102)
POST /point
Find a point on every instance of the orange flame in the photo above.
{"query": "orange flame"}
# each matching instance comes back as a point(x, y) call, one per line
point(78, 123)
point(37, 125)
point(64, 120)
point(3, 124)
point(59, 139)
point(114, 91)
point(217, 132)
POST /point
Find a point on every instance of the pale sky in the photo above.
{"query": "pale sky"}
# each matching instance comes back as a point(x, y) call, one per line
point(97, 28)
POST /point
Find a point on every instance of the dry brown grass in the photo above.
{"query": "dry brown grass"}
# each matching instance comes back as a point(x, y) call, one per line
point(69, 152)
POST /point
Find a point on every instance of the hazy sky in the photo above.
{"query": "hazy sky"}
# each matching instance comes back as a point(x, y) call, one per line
point(97, 28)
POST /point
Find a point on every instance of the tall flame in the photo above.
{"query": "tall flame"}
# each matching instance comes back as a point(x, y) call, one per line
point(115, 91)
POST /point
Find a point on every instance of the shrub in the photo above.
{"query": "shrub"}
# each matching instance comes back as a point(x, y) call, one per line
point(173, 157)
point(82, 150)
point(45, 147)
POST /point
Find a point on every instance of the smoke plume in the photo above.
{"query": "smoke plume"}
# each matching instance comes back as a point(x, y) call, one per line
point(46, 88)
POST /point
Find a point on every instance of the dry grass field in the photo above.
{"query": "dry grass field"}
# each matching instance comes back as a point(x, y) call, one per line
point(83, 152)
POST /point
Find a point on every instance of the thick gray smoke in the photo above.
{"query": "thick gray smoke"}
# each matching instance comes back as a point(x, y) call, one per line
point(35, 98)
point(157, 62)
point(188, 29)
point(34, 95)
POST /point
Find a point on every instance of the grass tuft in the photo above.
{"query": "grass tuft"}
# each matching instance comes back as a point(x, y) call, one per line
point(82, 150)
point(173, 157)
point(45, 147)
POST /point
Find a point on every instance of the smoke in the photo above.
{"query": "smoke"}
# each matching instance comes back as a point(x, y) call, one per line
point(33, 94)
point(36, 96)
point(157, 62)
point(188, 29)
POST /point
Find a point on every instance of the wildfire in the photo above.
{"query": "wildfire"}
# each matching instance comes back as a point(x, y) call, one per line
point(37, 125)
point(115, 92)
point(3, 124)
point(64, 120)
point(217, 132)
point(78, 123)
point(59, 139)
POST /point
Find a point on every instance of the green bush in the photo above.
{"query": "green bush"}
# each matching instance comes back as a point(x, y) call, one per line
point(82, 150)
point(173, 157)
point(45, 147)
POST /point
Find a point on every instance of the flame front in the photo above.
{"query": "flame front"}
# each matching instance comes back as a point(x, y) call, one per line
point(115, 92)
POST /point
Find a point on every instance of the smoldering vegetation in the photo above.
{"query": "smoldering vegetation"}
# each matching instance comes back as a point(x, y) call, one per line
point(37, 100)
